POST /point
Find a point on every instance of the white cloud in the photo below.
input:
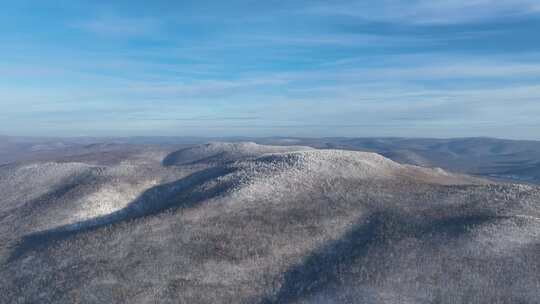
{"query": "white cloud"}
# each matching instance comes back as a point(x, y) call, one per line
point(120, 26)
point(432, 11)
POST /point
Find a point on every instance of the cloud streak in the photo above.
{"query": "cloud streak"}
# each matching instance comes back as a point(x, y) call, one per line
point(113, 26)
point(330, 67)
point(430, 12)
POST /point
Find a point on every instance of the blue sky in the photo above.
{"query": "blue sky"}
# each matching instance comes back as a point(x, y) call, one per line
point(419, 68)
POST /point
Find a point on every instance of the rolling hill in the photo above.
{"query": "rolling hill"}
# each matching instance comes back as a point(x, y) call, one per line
point(249, 223)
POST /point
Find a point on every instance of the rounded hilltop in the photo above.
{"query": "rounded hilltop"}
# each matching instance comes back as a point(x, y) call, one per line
point(222, 152)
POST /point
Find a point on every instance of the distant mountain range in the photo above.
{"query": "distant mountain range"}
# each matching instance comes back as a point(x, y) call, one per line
point(512, 160)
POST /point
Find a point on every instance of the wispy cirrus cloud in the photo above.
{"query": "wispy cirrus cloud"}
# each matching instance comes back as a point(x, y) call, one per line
point(429, 11)
point(120, 26)
point(329, 67)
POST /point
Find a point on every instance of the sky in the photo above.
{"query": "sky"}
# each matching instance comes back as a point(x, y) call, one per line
point(415, 68)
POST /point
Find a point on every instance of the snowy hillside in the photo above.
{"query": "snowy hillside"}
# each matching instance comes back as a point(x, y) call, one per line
point(247, 223)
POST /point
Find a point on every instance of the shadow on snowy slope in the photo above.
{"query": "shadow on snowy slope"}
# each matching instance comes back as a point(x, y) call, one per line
point(179, 194)
point(327, 266)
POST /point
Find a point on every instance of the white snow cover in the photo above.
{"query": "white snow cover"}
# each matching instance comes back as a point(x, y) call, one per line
point(262, 224)
point(21, 183)
point(274, 175)
point(224, 152)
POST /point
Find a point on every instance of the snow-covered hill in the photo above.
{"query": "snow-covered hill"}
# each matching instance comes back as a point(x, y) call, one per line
point(246, 223)
point(222, 152)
